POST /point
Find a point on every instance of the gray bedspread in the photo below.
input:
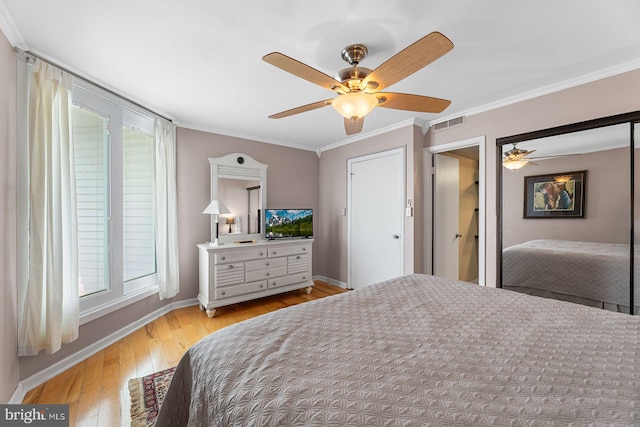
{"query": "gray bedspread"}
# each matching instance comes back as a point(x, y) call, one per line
point(414, 351)
point(596, 271)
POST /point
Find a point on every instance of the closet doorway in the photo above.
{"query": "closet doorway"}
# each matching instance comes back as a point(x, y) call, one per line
point(455, 210)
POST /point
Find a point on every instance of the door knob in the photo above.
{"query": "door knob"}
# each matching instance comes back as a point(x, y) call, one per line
point(458, 235)
point(396, 236)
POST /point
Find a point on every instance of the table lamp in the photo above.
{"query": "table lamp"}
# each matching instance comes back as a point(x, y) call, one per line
point(230, 222)
point(215, 208)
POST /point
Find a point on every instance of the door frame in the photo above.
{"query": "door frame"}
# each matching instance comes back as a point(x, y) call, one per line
point(350, 161)
point(427, 158)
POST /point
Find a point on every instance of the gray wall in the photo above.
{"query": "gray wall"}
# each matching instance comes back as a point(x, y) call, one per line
point(605, 97)
point(606, 201)
point(292, 181)
point(9, 372)
point(333, 198)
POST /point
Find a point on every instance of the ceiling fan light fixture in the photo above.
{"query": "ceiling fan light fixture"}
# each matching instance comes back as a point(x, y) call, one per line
point(354, 105)
point(514, 164)
point(562, 178)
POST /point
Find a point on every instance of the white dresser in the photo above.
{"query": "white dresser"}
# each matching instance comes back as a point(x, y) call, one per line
point(233, 273)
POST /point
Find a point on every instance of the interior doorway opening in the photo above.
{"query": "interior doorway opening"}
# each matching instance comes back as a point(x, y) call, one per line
point(455, 210)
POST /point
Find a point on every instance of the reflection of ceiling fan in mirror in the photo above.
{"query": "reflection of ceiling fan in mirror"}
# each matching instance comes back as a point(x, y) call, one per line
point(358, 87)
point(516, 158)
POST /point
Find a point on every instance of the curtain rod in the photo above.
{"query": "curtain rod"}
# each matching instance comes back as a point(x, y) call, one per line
point(32, 56)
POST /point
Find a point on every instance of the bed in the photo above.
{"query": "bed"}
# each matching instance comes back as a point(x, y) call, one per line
point(413, 351)
point(594, 274)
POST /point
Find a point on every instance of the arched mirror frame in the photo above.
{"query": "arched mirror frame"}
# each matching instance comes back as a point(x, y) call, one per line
point(241, 167)
point(633, 119)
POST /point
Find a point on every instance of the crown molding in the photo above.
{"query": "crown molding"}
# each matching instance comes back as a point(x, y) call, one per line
point(545, 90)
point(423, 124)
point(412, 121)
point(242, 136)
point(10, 29)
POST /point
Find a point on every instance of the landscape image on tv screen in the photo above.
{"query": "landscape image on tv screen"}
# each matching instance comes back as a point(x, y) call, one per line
point(283, 223)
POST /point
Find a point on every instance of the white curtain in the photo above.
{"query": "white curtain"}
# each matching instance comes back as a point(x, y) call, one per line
point(167, 209)
point(49, 304)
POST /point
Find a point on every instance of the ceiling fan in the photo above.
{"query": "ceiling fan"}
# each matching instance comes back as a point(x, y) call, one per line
point(358, 88)
point(516, 158)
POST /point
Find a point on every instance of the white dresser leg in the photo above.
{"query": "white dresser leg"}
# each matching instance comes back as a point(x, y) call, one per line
point(309, 289)
point(211, 312)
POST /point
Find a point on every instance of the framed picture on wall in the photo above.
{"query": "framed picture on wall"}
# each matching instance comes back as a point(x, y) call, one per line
point(558, 195)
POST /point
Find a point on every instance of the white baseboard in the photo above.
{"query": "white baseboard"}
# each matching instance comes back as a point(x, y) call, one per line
point(18, 395)
point(46, 374)
point(331, 281)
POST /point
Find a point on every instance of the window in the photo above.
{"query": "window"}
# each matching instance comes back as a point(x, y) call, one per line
point(114, 161)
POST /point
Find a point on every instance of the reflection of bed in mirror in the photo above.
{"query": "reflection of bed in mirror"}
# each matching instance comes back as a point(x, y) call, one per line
point(588, 273)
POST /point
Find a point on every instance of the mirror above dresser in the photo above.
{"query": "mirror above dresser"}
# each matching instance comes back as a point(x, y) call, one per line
point(240, 182)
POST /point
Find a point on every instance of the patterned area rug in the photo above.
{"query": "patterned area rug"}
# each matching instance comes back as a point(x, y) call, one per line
point(147, 394)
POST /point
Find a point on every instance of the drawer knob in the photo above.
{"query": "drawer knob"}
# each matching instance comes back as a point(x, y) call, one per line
point(230, 265)
point(261, 253)
point(298, 257)
point(304, 277)
point(261, 286)
point(275, 284)
point(304, 249)
point(223, 258)
point(268, 274)
point(224, 293)
point(267, 263)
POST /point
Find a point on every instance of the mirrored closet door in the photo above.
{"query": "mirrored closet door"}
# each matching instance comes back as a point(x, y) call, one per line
point(566, 196)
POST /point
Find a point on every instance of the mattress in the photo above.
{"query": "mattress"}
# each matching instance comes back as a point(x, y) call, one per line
point(595, 272)
point(414, 351)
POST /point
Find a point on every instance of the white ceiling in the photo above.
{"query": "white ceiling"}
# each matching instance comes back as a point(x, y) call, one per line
point(198, 62)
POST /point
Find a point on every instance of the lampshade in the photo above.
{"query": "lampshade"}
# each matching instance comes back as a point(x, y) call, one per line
point(562, 178)
point(231, 220)
point(354, 105)
point(216, 207)
point(514, 164)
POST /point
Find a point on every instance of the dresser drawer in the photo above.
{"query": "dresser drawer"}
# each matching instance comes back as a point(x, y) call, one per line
point(261, 264)
point(288, 250)
point(266, 273)
point(233, 256)
point(298, 263)
point(227, 274)
point(247, 288)
point(288, 280)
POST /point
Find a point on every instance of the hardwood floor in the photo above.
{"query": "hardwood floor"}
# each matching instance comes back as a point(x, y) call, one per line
point(93, 387)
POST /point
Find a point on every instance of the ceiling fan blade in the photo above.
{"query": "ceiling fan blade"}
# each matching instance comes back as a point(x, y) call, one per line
point(301, 109)
point(555, 156)
point(351, 128)
point(408, 61)
point(304, 71)
point(404, 101)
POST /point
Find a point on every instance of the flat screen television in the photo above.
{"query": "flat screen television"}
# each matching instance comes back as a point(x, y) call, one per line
point(288, 223)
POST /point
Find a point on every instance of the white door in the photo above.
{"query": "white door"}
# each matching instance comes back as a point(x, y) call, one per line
point(376, 193)
point(446, 216)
